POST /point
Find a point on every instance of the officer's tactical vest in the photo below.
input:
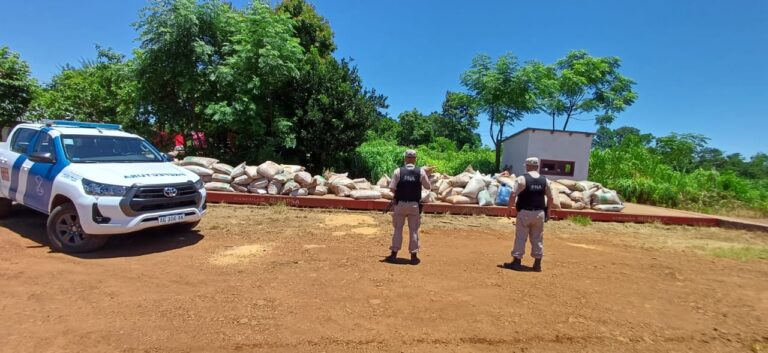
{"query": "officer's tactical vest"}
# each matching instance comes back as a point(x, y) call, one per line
point(409, 185)
point(532, 198)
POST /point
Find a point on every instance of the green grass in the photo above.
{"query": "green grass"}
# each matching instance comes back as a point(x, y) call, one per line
point(741, 253)
point(580, 220)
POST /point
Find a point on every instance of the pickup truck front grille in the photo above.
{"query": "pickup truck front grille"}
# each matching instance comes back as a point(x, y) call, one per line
point(149, 198)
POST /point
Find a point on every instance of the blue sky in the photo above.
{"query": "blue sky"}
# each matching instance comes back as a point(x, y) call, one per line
point(700, 66)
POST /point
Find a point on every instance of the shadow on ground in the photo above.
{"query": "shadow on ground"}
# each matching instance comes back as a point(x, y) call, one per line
point(31, 225)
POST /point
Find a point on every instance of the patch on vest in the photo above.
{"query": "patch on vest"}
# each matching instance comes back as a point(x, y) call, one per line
point(409, 178)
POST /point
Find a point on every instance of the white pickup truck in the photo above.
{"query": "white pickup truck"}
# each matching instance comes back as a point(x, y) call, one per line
point(94, 180)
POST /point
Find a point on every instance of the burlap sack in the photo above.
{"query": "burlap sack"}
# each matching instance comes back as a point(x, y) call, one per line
point(201, 171)
point(222, 168)
point(269, 169)
point(204, 162)
point(365, 194)
point(216, 186)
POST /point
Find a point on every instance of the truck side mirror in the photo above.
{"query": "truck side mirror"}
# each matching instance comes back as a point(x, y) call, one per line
point(41, 157)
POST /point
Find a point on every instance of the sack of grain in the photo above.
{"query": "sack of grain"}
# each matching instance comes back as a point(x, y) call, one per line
point(365, 185)
point(506, 180)
point(458, 199)
point(428, 196)
point(289, 187)
point(341, 190)
point(570, 184)
point(576, 196)
point(383, 182)
point(484, 198)
point(469, 169)
point(242, 180)
point(387, 194)
point(259, 183)
point(222, 168)
point(365, 195)
point(283, 177)
point(565, 202)
point(579, 205)
point(461, 180)
point(608, 208)
point(216, 186)
point(222, 178)
point(258, 191)
point(252, 171)
point(475, 185)
point(443, 185)
point(493, 190)
point(206, 178)
point(274, 187)
point(269, 169)
point(318, 190)
point(317, 180)
point(605, 197)
point(303, 178)
point(587, 185)
point(201, 171)
point(292, 169)
point(555, 204)
point(238, 171)
point(299, 192)
point(239, 188)
point(204, 162)
point(502, 198)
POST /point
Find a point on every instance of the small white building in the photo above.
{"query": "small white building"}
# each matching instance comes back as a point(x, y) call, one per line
point(562, 154)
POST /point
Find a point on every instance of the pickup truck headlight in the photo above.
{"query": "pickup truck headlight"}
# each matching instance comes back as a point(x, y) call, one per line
point(199, 184)
point(99, 189)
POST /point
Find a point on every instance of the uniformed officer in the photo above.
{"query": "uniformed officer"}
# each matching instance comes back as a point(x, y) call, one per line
point(406, 184)
point(528, 192)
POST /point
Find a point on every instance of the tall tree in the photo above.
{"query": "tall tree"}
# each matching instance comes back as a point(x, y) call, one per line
point(16, 86)
point(313, 30)
point(327, 101)
point(581, 84)
point(458, 120)
point(502, 91)
point(98, 90)
point(416, 128)
point(679, 150)
point(607, 138)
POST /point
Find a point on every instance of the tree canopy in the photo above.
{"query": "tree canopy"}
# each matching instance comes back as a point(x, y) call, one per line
point(16, 86)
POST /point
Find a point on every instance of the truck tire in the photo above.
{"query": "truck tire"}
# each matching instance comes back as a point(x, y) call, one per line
point(66, 234)
point(5, 207)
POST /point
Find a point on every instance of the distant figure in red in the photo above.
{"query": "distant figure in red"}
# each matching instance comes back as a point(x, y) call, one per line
point(198, 140)
point(178, 140)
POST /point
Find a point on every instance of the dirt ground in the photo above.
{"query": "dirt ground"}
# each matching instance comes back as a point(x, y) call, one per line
point(276, 279)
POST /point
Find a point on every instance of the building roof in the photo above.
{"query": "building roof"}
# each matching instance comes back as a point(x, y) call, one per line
point(532, 129)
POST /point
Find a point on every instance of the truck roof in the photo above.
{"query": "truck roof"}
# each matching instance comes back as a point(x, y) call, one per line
point(81, 129)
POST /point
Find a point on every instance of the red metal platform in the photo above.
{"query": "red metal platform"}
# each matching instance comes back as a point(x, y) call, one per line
point(632, 214)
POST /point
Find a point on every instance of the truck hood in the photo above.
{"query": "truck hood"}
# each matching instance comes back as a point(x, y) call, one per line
point(127, 174)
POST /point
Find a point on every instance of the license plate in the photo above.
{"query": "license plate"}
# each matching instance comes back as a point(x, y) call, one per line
point(171, 218)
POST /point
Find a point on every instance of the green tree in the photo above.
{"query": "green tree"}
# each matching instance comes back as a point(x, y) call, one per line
point(313, 30)
point(502, 91)
point(102, 90)
point(16, 87)
point(679, 150)
point(416, 128)
point(334, 112)
point(458, 120)
point(181, 62)
point(608, 138)
point(386, 129)
point(581, 84)
point(327, 101)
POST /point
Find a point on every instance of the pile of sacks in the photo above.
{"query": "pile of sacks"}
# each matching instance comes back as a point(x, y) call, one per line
point(267, 178)
point(469, 187)
point(578, 195)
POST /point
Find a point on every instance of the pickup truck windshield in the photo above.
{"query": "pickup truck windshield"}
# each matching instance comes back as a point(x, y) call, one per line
point(109, 149)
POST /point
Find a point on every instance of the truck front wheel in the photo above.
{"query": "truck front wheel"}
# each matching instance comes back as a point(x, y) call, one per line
point(5, 207)
point(66, 234)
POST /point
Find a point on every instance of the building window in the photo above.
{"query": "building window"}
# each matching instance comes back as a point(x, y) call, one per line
point(560, 168)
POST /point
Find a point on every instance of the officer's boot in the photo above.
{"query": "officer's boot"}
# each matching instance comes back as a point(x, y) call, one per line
point(514, 265)
point(415, 259)
point(391, 258)
point(537, 265)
